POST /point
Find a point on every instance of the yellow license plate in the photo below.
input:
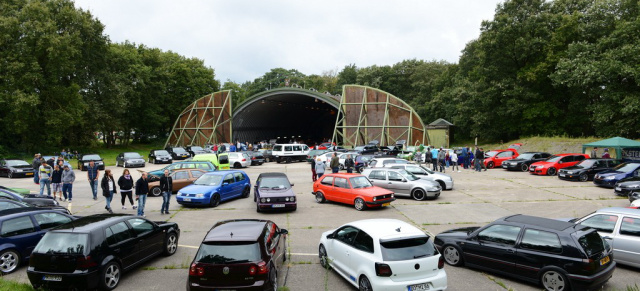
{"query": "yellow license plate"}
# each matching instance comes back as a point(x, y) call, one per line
point(385, 204)
point(604, 260)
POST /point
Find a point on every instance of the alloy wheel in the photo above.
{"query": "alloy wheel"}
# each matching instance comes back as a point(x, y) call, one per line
point(9, 261)
point(554, 281)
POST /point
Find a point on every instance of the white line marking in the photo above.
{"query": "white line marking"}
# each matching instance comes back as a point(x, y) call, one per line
point(186, 246)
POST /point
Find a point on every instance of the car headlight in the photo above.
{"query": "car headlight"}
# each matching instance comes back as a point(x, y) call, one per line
point(268, 199)
point(263, 200)
point(18, 171)
point(609, 177)
point(292, 199)
point(570, 172)
point(200, 195)
point(179, 193)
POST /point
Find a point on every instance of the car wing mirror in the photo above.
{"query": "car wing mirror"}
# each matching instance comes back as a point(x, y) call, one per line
point(292, 184)
point(284, 231)
point(404, 180)
point(330, 236)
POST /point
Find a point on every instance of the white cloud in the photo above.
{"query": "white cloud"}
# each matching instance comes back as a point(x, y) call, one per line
point(243, 39)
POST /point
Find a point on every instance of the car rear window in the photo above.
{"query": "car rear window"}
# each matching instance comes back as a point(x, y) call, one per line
point(228, 252)
point(591, 243)
point(63, 243)
point(407, 249)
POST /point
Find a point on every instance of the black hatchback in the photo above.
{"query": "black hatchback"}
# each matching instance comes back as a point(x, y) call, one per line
point(559, 255)
point(524, 160)
point(243, 254)
point(93, 251)
point(587, 169)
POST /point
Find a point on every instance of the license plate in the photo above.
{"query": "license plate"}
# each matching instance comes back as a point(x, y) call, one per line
point(418, 287)
point(604, 260)
point(277, 205)
point(618, 189)
point(187, 199)
point(386, 204)
point(29, 174)
point(561, 175)
point(505, 166)
point(52, 278)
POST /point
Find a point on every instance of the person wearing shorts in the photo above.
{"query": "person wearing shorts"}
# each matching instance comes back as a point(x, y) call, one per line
point(56, 182)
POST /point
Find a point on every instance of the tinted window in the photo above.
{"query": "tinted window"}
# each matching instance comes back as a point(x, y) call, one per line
point(239, 177)
point(277, 148)
point(567, 159)
point(228, 179)
point(393, 176)
point(140, 226)
point(181, 176)
point(407, 249)
point(327, 181)
point(341, 183)
point(498, 233)
point(8, 205)
point(377, 175)
point(228, 252)
point(196, 174)
point(297, 148)
point(288, 148)
point(118, 233)
point(363, 242)
point(17, 226)
point(346, 234)
point(541, 241)
point(592, 243)
point(63, 243)
point(49, 220)
point(630, 226)
point(579, 158)
point(601, 222)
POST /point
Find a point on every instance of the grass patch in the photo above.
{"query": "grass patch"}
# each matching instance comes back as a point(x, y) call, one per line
point(431, 223)
point(149, 268)
point(15, 286)
point(283, 288)
point(444, 203)
point(308, 227)
point(302, 263)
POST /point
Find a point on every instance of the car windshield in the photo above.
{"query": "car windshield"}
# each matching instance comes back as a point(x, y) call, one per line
point(591, 243)
point(626, 167)
point(62, 243)
point(275, 183)
point(162, 153)
point(360, 148)
point(360, 182)
point(91, 157)
point(208, 180)
point(197, 149)
point(228, 252)
point(15, 163)
point(586, 163)
point(491, 153)
point(407, 249)
point(409, 176)
point(553, 159)
point(179, 150)
point(526, 156)
point(133, 155)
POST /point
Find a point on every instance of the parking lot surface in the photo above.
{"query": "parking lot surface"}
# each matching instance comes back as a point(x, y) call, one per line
point(477, 198)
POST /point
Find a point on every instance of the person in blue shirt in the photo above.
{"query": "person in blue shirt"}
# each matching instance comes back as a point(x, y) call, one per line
point(463, 158)
point(232, 148)
point(434, 158)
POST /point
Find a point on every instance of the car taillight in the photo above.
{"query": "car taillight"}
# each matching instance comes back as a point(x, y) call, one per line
point(85, 262)
point(253, 158)
point(196, 270)
point(383, 270)
point(441, 262)
point(244, 160)
point(589, 265)
point(260, 268)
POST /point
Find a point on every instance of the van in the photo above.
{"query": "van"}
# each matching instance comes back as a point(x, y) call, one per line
point(221, 161)
point(290, 152)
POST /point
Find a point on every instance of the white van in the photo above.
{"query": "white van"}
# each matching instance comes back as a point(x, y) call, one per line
point(290, 152)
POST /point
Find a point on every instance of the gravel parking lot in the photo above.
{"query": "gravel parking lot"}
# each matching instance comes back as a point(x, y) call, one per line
point(477, 198)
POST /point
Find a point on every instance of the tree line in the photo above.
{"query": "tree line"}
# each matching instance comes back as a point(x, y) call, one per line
point(62, 80)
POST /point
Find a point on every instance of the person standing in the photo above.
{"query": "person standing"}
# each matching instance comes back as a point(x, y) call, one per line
point(222, 148)
point(92, 174)
point(335, 163)
point(232, 148)
point(109, 189)
point(441, 160)
point(56, 182)
point(142, 189)
point(463, 158)
point(125, 182)
point(45, 177)
point(606, 155)
point(454, 162)
point(214, 148)
point(349, 164)
point(477, 160)
point(166, 186)
point(320, 166)
point(594, 152)
point(434, 158)
point(68, 177)
point(314, 176)
point(36, 165)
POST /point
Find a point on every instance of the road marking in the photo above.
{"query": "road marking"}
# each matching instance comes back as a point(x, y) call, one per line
point(186, 246)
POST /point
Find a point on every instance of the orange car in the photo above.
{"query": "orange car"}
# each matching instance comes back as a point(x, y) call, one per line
point(352, 189)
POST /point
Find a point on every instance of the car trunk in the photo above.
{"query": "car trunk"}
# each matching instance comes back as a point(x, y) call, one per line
point(61, 252)
point(406, 270)
point(599, 254)
point(410, 258)
point(236, 275)
point(226, 264)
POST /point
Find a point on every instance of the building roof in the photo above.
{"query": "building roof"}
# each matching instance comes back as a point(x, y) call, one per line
point(441, 121)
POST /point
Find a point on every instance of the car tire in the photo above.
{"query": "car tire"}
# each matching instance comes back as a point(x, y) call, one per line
point(246, 192)
point(9, 261)
point(341, 167)
point(418, 194)
point(10, 175)
point(359, 204)
point(584, 177)
point(551, 171)
point(237, 165)
point(554, 280)
point(171, 244)
point(288, 160)
point(324, 260)
point(274, 280)
point(490, 165)
point(156, 192)
point(215, 200)
point(524, 167)
point(360, 170)
point(258, 208)
point(110, 276)
point(320, 197)
point(452, 255)
point(364, 284)
point(442, 184)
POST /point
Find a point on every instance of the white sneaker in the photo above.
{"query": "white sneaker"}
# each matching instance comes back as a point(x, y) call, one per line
point(124, 207)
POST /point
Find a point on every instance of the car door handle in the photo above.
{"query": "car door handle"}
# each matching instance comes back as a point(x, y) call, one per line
point(389, 183)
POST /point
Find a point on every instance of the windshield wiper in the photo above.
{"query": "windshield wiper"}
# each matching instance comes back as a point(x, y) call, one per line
point(420, 256)
point(236, 261)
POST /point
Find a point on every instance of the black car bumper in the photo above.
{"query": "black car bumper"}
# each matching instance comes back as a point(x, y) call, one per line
point(277, 206)
point(67, 281)
point(22, 174)
point(604, 183)
point(579, 282)
point(516, 167)
point(568, 177)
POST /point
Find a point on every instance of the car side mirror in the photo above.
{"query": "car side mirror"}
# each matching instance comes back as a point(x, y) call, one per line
point(404, 180)
point(330, 236)
point(560, 162)
point(284, 231)
point(292, 184)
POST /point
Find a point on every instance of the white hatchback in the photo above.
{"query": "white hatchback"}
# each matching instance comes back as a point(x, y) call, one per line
point(383, 254)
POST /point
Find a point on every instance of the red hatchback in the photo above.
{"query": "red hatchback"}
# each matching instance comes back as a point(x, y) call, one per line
point(551, 165)
point(352, 189)
point(495, 158)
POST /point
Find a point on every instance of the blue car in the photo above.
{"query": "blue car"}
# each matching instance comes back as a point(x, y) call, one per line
point(214, 187)
point(20, 232)
point(611, 177)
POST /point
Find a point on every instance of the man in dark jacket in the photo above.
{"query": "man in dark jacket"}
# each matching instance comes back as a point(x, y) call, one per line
point(36, 165)
point(349, 164)
point(314, 176)
point(335, 163)
point(166, 186)
point(142, 189)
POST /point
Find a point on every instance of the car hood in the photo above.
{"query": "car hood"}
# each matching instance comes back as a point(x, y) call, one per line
point(134, 159)
point(22, 167)
point(372, 191)
point(442, 176)
point(518, 160)
point(576, 167)
point(276, 193)
point(163, 156)
point(196, 189)
point(424, 182)
point(610, 173)
point(458, 232)
point(629, 181)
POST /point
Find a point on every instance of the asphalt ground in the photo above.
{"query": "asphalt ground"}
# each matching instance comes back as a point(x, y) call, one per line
point(476, 199)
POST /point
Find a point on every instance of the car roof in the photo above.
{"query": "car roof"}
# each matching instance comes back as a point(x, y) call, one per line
point(534, 153)
point(343, 175)
point(13, 160)
point(574, 154)
point(92, 222)
point(384, 228)
point(272, 174)
point(540, 221)
point(236, 230)
point(619, 210)
point(14, 212)
point(223, 172)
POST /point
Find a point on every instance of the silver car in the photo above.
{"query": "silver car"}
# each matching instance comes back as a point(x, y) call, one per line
point(621, 228)
point(445, 181)
point(403, 183)
point(239, 160)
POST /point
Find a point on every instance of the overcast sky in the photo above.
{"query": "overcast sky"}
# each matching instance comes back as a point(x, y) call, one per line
point(241, 40)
